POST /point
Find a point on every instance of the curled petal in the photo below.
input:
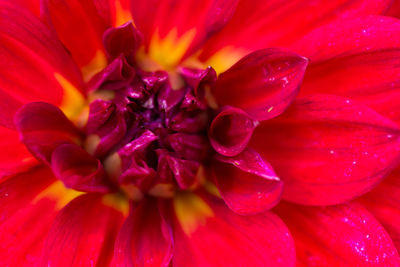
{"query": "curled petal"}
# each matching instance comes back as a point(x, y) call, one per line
point(78, 169)
point(43, 127)
point(259, 240)
point(263, 83)
point(124, 39)
point(247, 183)
point(339, 235)
point(328, 149)
point(230, 131)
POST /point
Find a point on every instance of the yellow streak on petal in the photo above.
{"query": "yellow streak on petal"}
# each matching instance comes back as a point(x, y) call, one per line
point(191, 211)
point(225, 58)
point(133, 192)
point(91, 143)
point(98, 63)
point(169, 51)
point(162, 190)
point(73, 101)
point(122, 15)
point(118, 202)
point(58, 193)
point(212, 188)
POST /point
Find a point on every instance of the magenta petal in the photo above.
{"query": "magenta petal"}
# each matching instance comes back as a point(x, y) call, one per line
point(263, 83)
point(230, 131)
point(247, 183)
point(328, 149)
point(190, 146)
point(43, 127)
point(124, 39)
point(145, 238)
point(342, 235)
point(78, 169)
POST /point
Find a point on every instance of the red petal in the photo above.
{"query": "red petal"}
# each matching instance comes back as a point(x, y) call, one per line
point(43, 127)
point(27, 208)
point(17, 158)
point(145, 238)
point(328, 149)
point(83, 234)
point(80, 27)
point(79, 170)
point(193, 21)
point(287, 21)
point(34, 65)
point(247, 183)
point(230, 131)
point(384, 203)
point(263, 83)
point(32, 5)
point(341, 235)
point(359, 61)
point(206, 233)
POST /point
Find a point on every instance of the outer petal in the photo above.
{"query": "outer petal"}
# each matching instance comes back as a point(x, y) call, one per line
point(287, 21)
point(263, 83)
point(83, 234)
point(207, 233)
point(17, 158)
point(357, 59)
point(340, 235)
point(34, 66)
point(247, 183)
point(80, 27)
point(28, 204)
point(168, 38)
point(145, 238)
point(384, 203)
point(328, 149)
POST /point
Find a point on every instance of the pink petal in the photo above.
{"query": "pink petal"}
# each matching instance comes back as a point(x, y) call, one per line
point(145, 238)
point(34, 66)
point(251, 29)
point(328, 149)
point(340, 235)
point(263, 83)
point(83, 234)
point(43, 127)
point(247, 183)
point(384, 203)
point(359, 61)
point(79, 170)
point(206, 233)
point(230, 131)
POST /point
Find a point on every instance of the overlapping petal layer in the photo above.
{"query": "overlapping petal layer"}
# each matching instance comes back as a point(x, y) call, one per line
point(338, 236)
point(384, 203)
point(207, 233)
point(328, 149)
point(358, 59)
point(31, 50)
point(83, 234)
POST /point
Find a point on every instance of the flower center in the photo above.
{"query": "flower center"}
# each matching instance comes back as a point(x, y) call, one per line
point(150, 137)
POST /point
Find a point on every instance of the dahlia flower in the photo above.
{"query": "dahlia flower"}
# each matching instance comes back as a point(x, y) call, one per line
point(199, 133)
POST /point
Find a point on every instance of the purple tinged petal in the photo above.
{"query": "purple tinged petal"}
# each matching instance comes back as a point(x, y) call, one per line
point(230, 131)
point(247, 183)
point(78, 169)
